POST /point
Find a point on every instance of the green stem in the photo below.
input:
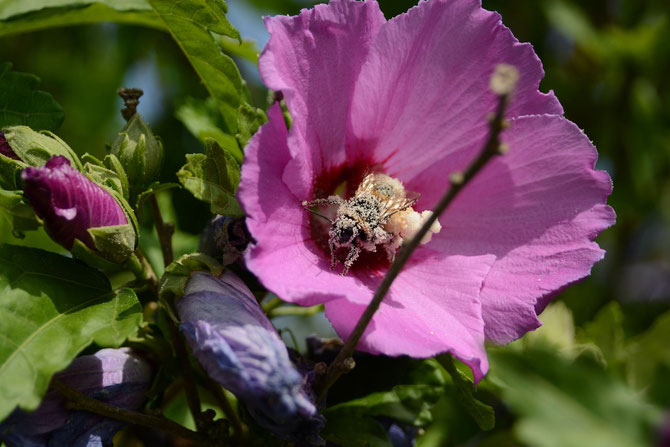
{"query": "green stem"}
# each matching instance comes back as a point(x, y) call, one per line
point(80, 401)
point(271, 304)
point(295, 310)
point(165, 231)
point(344, 362)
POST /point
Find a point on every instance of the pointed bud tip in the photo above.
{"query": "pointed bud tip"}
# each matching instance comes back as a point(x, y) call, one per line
point(504, 79)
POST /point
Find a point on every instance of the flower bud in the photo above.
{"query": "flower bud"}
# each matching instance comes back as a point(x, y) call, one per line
point(75, 208)
point(115, 376)
point(225, 238)
point(5, 148)
point(140, 153)
point(239, 348)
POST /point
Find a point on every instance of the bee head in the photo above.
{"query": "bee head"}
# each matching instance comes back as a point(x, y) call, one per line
point(344, 231)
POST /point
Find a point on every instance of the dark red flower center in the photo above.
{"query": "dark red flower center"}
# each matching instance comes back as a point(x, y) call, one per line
point(343, 180)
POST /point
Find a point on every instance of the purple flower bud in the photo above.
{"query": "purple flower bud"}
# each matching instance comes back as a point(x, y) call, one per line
point(5, 148)
point(69, 203)
point(225, 238)
point(239, 348)
point(114, 376)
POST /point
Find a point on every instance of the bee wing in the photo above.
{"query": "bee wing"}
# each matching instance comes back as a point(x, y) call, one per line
point(367, 184)
point(396, 204)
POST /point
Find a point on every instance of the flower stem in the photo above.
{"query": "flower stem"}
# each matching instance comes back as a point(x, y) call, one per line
point(80, 401)
point(164, 230)
point(343, 362)
point(295, 311)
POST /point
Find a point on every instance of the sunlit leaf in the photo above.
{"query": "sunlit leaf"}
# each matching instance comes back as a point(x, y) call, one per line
point(191, 23)
point(213, 177)
point(53, 307)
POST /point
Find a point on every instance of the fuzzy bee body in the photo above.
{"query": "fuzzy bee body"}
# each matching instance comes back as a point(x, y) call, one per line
point(360, 220)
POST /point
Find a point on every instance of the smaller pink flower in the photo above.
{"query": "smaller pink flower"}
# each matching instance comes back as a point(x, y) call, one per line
point(410, 97)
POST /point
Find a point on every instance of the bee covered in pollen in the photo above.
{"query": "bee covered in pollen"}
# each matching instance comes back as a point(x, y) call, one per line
point(378, 215)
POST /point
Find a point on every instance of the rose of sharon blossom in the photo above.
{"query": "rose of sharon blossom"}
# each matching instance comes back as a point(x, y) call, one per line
point(69, 203)
point(239, 348)
point(115, 376)
point(410, 97)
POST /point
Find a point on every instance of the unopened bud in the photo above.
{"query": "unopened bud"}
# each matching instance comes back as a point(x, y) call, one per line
point(504, 79)
point(456, 178)
point(140, 154)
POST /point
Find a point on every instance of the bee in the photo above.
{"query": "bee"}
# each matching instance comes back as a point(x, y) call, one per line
point(360, 221)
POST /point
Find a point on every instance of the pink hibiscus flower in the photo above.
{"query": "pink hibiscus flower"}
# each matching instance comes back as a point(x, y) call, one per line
point(410, 97)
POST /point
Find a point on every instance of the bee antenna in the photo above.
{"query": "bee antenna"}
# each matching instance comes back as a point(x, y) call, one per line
point(320, 215)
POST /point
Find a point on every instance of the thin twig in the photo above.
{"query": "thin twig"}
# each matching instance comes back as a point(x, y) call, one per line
point(190, 387)
point(344, 362)
point(164, 230)
point(80, 401)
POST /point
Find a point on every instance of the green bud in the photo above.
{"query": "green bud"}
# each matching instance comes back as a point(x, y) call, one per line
point(139, 152)
point(36, 148)
point(30, 148)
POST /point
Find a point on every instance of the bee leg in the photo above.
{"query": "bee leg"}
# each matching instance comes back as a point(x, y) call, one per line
point(331, 200)
point(333, 258)
point(351, 258)
point(392, 246)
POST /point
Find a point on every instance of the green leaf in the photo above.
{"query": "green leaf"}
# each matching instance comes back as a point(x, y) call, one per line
point(52, 308)
point(22, 104)
point(203, 120)
point(570, 404)
point(20, 214)
point(648, 351)
point(12, 8)
point(249, 119)
point(483, 414)
point(557, 330)
point(191, 23)
point(354, 423)
point(176, 274)
point(77, 13)
point(213, 177)
point(606, 333)
point(347, 430)
point(36, 148)
point(245, 49)
point(408, 404)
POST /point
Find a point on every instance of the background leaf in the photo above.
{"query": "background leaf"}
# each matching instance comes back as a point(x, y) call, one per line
point(202, 119)
point(19, 213)
point(213, 177)
point(483, 414)
point(570, 404)
point(22, 104)
point(52, 308)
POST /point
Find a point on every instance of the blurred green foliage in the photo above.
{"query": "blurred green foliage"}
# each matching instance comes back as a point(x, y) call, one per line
point(596, 373)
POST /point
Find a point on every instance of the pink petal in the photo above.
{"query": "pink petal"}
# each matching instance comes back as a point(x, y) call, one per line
point(537, 209)
point(314, 58)
point(432, 308)
point(423, 92)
